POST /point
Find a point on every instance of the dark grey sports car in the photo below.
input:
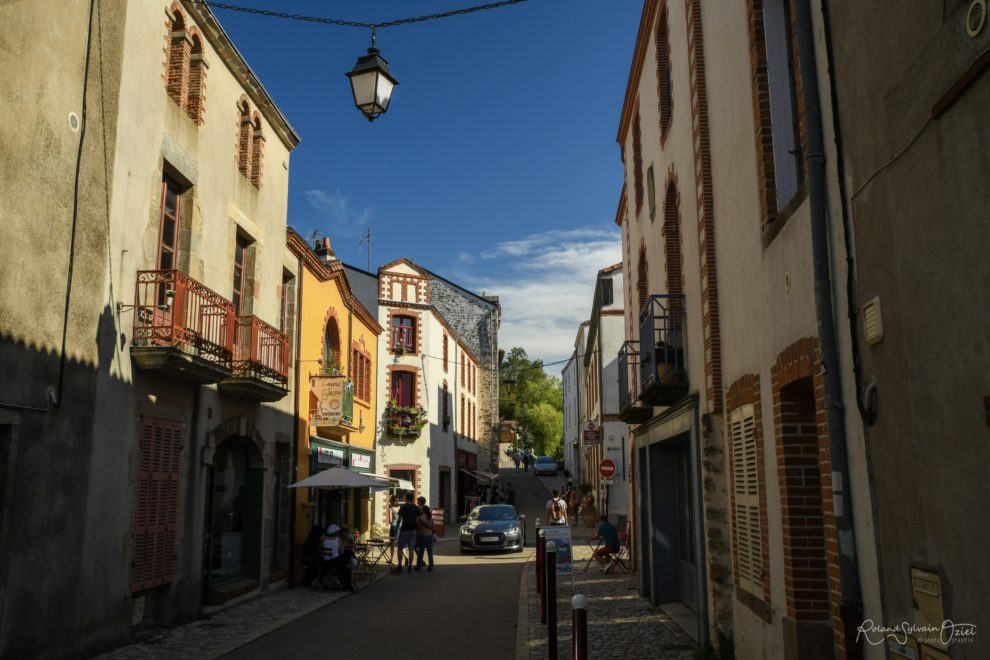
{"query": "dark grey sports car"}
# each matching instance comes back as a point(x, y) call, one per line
point(493, 527)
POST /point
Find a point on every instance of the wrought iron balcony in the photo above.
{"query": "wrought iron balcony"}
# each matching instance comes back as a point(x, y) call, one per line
point(631, 409)
point(261, 361)
point(403, 339)
point(662, 371)
point(181, 327)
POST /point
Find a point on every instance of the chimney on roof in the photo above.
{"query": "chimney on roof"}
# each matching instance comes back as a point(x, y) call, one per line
point(324, 252)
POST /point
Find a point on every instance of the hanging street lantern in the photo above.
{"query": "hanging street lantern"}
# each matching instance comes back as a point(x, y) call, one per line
point(372, 82)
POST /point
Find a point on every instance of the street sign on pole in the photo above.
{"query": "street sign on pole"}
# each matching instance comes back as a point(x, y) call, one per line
point(606, 468)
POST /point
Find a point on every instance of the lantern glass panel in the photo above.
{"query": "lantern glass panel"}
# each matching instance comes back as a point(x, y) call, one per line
point(363, 85)
point(384, 92)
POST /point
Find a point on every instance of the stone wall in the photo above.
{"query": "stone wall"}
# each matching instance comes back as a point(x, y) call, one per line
point(475, 320)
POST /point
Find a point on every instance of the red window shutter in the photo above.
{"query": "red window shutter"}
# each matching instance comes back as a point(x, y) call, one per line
point(156, 506)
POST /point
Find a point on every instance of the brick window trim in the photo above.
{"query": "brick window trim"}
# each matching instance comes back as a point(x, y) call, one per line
point(746, 391)
point(671, 234)
point(772, 218)
point(184, 67)
point(665, 101)
point(637, 136)
point(799, 361)
point(417, 482)
point(405, 368)
point(249, 143)
point(417, 318)
point(363, 380)
point(331, 314)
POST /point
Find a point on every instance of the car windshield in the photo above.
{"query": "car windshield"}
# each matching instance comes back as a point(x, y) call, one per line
point(545, 459)
point(494, 513)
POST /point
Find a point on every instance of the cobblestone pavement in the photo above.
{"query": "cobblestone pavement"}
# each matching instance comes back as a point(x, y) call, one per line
point(621, 624)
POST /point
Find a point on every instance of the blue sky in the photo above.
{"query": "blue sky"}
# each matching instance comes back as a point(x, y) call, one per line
point(496, 165)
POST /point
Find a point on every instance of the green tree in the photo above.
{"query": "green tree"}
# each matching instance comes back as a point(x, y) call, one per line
point(545, 423)
point(534, 399)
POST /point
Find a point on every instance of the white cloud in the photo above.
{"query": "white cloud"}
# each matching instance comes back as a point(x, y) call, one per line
point(340, 219)
point(545, 283)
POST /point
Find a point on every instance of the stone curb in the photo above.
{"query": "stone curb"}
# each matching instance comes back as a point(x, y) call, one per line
point(522, 623)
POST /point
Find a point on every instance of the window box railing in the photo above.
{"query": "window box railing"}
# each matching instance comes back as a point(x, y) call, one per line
point(177, 314)
point(404, 421)
point(260, 351)
point(662, 370)
point(631, 409)
point(403, 339)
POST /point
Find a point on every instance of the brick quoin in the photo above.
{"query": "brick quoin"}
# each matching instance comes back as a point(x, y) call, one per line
point(416, 482)
point(811, 557)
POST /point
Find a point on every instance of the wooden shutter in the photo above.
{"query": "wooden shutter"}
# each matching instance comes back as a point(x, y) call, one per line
point(746, 500)
point(156, 504)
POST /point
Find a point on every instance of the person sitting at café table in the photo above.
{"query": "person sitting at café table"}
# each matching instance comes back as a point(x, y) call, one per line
point(337, 556)
point(609, 537)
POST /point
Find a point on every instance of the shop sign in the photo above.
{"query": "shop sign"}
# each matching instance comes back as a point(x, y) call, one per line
point(331, 401)
point(561, 536)
point(328, 456)
point(361, 461)
point(592, 434)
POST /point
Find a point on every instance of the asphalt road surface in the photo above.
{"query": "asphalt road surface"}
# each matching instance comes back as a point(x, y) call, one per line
point(466, 608)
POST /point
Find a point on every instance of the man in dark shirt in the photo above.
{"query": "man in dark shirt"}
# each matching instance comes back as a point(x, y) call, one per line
point(609, 536)
point(408, 513)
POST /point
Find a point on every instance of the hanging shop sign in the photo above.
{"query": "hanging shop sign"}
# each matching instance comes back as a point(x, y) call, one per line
point(592, 434)
point(331, 401)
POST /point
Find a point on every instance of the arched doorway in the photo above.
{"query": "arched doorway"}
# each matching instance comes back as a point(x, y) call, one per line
point(234, 514)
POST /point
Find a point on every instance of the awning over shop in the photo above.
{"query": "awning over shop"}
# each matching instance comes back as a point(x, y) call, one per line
point(341, 477)
point(480, 475)
point(404, 484)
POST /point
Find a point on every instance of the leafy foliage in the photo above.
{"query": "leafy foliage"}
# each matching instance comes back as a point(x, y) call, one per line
point(535, 400)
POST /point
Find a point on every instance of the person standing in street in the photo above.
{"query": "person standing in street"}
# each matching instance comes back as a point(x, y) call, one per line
point(516, 459)
point(510, 493)
point(393, 524)
point(408, 522)
point(556, 509)
point(526, 461)
point(425, 529)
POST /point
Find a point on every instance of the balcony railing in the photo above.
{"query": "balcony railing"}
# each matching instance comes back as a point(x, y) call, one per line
point(631, 409)
point(662, 371)
point(260, 351)
point(172, 310)
point(403, 339)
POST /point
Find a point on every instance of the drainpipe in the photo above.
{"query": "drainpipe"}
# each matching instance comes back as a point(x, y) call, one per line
point(851, 606)
point(293, 462)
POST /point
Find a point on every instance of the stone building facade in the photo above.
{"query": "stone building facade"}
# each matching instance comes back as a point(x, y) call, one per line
point(145, 438)
point(744, 452)
point(435, 394)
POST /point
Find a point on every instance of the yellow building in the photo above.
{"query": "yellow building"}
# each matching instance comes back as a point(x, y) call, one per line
point(337, 340)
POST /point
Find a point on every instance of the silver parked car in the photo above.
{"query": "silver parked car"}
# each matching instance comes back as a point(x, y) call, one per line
point(546, 465)
point(493, 527)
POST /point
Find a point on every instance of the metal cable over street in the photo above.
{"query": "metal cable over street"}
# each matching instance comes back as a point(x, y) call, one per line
point(354, 24)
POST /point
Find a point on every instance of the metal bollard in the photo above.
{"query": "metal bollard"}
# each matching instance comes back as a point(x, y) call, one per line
point(579, 627)
point(551, 598)
point(540, 560)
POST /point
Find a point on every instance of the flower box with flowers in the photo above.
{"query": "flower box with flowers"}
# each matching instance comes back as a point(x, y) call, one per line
point(404, 420)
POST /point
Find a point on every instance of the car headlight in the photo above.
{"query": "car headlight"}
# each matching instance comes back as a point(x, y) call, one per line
point(465, 531)
point(512, 530)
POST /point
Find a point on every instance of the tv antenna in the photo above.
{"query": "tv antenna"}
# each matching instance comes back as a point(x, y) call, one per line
point(366, 238)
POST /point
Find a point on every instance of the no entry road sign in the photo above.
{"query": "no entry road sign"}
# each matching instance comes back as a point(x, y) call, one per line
point(606, 468)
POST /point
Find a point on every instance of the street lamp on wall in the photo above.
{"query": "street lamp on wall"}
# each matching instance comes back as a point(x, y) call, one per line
point(372, 83)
